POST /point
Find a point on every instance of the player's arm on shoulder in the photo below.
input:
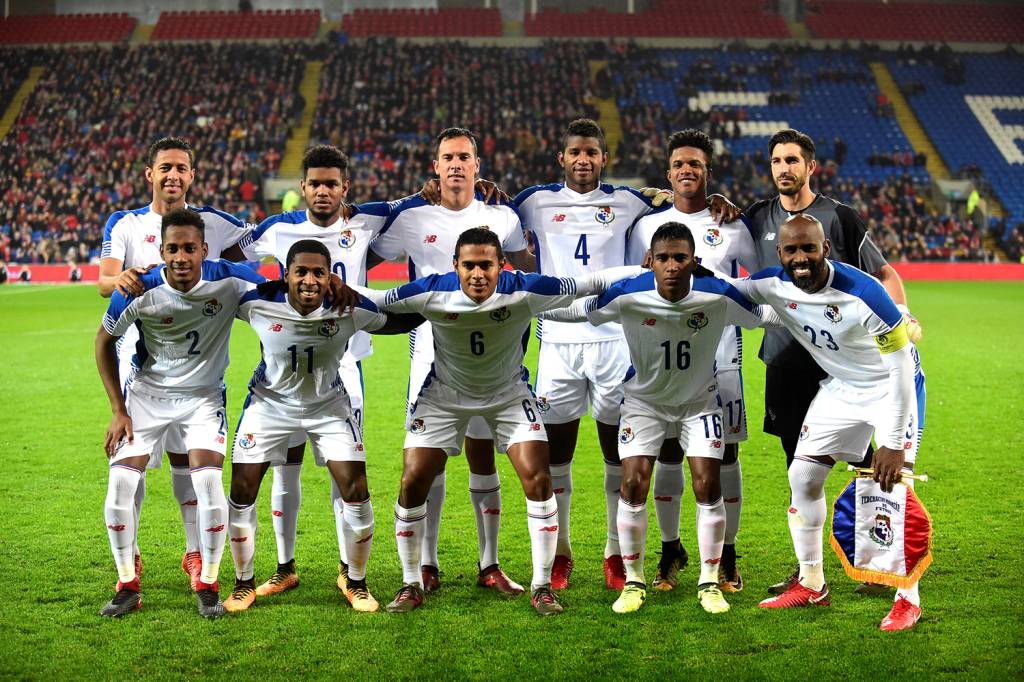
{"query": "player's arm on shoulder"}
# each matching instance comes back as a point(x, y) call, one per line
point(106, 363)
point(127, 281)
point(722, 210)
point(741, 310)
point(398, 323)
point(600, 281)
point(522, 260)
point(577, 311)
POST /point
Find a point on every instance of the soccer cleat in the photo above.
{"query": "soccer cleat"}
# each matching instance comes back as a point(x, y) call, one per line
point(494, 578)
point(208, 601)
point(614, 573)
point(284, 578)
point(544, 601)
point(431, 577)
point(872, 589)
point(729, 578)
point(360, 598)
point(126, 600)
point(408, 598)
point(342, 576)
point(711, 598)
point(903, 616)
point(673, 559)
point(242, 597)
point(787, 584)
point(560, 572)
point(631, 599)
point(138, 565)
point(798, 595)
point(192, 564)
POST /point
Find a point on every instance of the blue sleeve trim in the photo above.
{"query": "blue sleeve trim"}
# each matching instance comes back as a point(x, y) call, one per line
point(112, 221)
point(530, 191)
point(214, 270)
point(250, 296)
point(291, 217)
point(226, 216)
point(414, 201)
point(850, 280)
point(367, 304)
point(378, 208)
point(635, 192)
point(713, 285)
point(773, 271)
point(633, 285)
point(510, 282)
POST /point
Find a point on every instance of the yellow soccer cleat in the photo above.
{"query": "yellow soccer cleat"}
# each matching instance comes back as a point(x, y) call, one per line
point(342, 576)
point(711, 599)
point(284, 578)
point(360, 598)
point(242, 597)
point(632, 598)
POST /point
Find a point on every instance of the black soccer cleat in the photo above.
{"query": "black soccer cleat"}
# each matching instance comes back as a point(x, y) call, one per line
point(208, 602)
point(125, 601)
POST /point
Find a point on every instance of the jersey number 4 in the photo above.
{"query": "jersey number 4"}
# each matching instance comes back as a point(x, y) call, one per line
point(581, 250)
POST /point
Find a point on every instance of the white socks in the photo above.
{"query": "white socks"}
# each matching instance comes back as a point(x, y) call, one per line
point(732, 494)
point(140, 495)
point(435, 503)
point(807, 518)
point(632, 523)
point(542, 520)
point(185, 494)
point(669, 482)
point(338, 505)
point(561, 486)
point(212, 519)
point(243, 524)
point(612, 483)
point(119, 514)
point(710, 536)
point(358, 531)
point(285, 499)
point(409, 525)
point(485, 494)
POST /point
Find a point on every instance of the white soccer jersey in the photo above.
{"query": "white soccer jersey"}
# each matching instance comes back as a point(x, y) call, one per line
point(575, 234)
point(347, 241)
point(301, 353)
point(133, 237)
point(183, 344)
point(722, 249)
point(672, 345)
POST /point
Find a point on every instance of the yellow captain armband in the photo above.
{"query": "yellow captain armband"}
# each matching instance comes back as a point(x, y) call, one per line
point(892, 341)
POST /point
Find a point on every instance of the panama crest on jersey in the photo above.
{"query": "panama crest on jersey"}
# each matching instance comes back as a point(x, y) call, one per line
point(212, 307)
point(328, 328)
point(713, 237)
point(881, 532)
point(347, 239)
point(542, 404)
point(247, 441)
point(604, 215)
point(626, 434)
point(832, 314)
point(501, 314)
point(697, 321)
point(417, 426)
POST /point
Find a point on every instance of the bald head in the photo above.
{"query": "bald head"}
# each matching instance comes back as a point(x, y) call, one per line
point(802, 251)
point(802, 227)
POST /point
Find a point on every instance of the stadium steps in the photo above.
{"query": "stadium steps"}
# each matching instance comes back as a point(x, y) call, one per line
point(798, 30)
point(608, 115)
point(141, 34)
point(14, 110)
point(298, 138)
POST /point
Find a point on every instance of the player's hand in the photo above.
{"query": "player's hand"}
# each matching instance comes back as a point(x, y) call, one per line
point(492, 193)
point(347, 210)
point(914, 332)
point(657, 196)
point(722, 210)
point(888, 464)
point(129, 282)
point(120, 428)
point(343, 297)
point(431, 191)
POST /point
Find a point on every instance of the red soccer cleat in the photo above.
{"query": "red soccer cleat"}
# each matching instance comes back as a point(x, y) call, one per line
point(192, 564)
point(798, 595)
point(560, 572)
point(494, 578)
point(614, 573)
point(903, 616)
point(431, 577)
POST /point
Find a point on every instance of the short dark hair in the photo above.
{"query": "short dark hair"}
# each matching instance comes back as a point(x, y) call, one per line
point(584, 127)
point(673, 230)
point(478, 236)
point(182, 217)
point(691, 137)
point(165, 143)
point(325, 156)
point(790, 136)
point(452, 133)
point(308, 246)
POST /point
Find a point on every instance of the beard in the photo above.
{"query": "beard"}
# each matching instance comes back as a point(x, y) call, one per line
point(808, 283)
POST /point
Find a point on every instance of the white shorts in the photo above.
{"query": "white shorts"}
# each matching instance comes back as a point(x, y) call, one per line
point(419, 370)
point(841, 421)
point(441, 415)
point(351, 373)
point(266, 429)
point(734, 409)
point(197, 422)
point(572, 375)
point(697, 426)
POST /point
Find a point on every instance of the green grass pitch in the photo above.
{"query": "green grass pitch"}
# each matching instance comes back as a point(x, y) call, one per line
point(60, 571)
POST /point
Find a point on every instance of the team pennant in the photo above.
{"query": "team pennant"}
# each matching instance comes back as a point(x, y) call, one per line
point(881, 537)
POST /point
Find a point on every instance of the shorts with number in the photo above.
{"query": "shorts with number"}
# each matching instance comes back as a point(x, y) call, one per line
point(194, 422)
point(572, 375)
point(351, 373)
point(419, 370)
point(267, 427)
point(441, 415)
point(697, 426)
point(734, 408)
point(842, 419)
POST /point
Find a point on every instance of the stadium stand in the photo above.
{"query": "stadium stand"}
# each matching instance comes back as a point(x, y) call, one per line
point(935, 22)
point(461, 22)
point(66, 28)
point(211, 25)
point(16, 65)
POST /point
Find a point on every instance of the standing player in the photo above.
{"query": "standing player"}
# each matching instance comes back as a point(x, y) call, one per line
point(174, 394)
point(722, 248)
point(673, 324)
point(297, 389)
point(427, 234)
point(852, 328)
point(481, 317)
point(131, 247)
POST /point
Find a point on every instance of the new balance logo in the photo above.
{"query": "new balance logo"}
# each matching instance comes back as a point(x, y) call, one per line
point(650, 322)
point(151, 239)
point(404, 534)
point(662, 498)
point(558, 218)
point(117, 528)
point(630, 557)
point(365, 540)
point(769, 236)
point(276, 327)
point(558, 491)
point(190, 503)
point(167, 320)
point(731, 500)
point(241, 539)
point(430, 239)
point(709, 562)
point(549, 529)
point(215, 529)
point(492, 512)
point(277, 512)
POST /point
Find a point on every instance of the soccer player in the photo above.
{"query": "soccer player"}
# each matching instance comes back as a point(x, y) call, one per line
point(480, 316)
point(852, 328)
point(427, 234)
point(175, 394)
point(325, 182)
point(722, 248)
point(673, 322)
point(297, 388)
point(131, 247)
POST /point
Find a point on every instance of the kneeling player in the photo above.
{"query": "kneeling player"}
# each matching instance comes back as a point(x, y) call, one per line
point(672, 321)
point(296, 390)
point(480, 315)
point(175, 394)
